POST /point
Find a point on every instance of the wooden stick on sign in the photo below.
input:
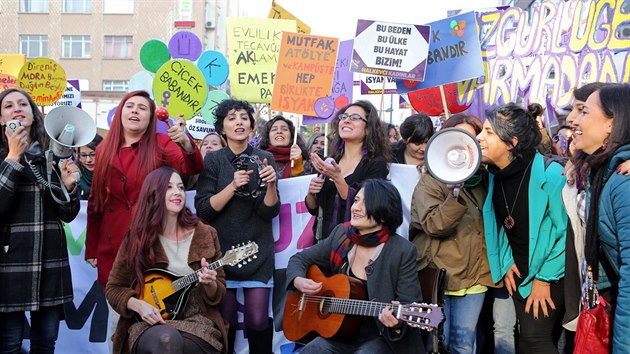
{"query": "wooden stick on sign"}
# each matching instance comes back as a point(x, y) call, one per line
point(444, 105)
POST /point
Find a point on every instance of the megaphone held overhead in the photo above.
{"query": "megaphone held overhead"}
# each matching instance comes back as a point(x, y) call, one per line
point(452, 155)
point(68, 127)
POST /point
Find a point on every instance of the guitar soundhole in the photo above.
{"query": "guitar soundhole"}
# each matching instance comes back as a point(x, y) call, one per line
point(324, 305)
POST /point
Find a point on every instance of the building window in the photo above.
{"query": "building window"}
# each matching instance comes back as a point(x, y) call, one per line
point(117, 47)
point(76, 47)
point(118, 6)
point(77, 6)
point(34, 46)
point(34, 6)
point(115, 85)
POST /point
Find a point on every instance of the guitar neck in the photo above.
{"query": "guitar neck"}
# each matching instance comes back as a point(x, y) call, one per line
point(192, 278)
point(356, 307)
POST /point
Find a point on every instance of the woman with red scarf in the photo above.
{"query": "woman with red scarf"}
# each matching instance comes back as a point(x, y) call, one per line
point(278, 139)
point(367, 248)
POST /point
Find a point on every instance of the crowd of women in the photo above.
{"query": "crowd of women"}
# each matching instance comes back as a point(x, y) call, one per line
point(518, 239)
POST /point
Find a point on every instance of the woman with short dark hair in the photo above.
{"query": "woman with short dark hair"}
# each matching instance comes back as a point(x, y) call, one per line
point(367, 248)
point(277, 138)
point(415, 131)
point(525, 223)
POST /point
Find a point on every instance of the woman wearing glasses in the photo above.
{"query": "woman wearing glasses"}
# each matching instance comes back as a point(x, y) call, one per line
point(87, 162)
point(360, 150)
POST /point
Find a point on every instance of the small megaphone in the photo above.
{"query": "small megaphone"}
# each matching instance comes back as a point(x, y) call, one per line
point(68, 127)
point(452, 155)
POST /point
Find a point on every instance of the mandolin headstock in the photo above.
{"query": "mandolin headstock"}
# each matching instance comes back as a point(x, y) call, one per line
point(240, 254)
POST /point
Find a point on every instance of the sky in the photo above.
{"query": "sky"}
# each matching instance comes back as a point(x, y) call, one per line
point(338, 18)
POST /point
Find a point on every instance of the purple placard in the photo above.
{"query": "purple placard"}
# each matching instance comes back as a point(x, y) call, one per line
point(373, 85)
point(391, 49)
point(185, 45)
point(341, 91)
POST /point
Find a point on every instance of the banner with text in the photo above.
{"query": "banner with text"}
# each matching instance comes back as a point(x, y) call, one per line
point(70, 97)
point(391, 49)
point(306, 68)
point(550, 49)
point(454, 53)
point(373, 84)
point(253, 47)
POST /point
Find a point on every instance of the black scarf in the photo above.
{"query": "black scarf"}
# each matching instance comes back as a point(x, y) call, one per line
point(591, 246)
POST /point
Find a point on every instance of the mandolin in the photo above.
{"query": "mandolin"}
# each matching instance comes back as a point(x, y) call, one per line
point(335, 311)
point(168, 292)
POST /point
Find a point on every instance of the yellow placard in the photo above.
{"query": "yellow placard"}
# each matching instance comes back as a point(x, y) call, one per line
point(253, 47)
point(44, 79)
point(10, 65)
point(278, 12)
point(180, 87)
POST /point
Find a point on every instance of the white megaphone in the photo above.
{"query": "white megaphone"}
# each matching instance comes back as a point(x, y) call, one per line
point(68, 127)
point(452, 156)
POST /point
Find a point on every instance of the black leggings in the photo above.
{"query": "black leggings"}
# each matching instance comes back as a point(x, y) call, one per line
point(256, 311)
point(540, 335)
point(162, 339)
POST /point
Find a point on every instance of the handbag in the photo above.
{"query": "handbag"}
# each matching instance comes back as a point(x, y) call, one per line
point(594, 331)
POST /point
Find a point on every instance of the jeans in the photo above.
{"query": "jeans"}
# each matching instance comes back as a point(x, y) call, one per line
point(460, 325)
point(504, 317)
point(44, 330)
point(327, 346)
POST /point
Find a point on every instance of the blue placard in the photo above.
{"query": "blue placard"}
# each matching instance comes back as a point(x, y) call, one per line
point(454, 53)
point(214, 66)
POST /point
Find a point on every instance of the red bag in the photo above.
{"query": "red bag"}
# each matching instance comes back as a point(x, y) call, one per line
point(593, 332)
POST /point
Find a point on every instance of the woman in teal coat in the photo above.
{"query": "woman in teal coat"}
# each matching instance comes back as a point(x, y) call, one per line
point(525, 223)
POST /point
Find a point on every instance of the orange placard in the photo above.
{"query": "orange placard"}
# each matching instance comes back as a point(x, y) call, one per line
point(306, 67)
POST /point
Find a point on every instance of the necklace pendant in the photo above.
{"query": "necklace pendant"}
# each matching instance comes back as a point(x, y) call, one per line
point(508, 222)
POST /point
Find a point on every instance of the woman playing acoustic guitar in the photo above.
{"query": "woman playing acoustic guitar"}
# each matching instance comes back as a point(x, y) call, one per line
point(165, 234)
point(368, 249)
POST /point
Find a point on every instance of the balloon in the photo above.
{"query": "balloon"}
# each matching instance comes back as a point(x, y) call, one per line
point(429, 100)
point(153, 55)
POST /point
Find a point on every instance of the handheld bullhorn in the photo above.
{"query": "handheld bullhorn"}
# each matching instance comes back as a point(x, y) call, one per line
point(452, 156)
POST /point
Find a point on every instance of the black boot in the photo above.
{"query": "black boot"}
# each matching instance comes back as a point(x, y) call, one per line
point(260, 342)
point(231, 339)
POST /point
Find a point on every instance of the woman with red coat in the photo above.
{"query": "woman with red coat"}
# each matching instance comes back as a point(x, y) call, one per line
point(130, 151)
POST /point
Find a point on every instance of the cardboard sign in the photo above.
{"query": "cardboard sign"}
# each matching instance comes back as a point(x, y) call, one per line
point(214, 66)
point(10, 65)
point(341, 91)
point(373, 84)
point(306, 68)
point(71, 96)
point(278, 12)
point(185, 45)
point(154, 54)
point(391, 49)
point(454, 53)
point(253, 47)
point(180, 87)
point(44, 79)
point(198, 127)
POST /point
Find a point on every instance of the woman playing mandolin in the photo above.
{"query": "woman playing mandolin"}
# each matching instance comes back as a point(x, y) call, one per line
point(368, 249)
point(164, 234)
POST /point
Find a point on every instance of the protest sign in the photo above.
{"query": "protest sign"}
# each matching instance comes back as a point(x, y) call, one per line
point(198, 127)
point(214, 98)
point(373, 84)
point(550, 49)
point(185, 45)
point(341, 92)
point(10, 65)
point(44, 79)
point(278, 12)
point(154, 54)
point(454, 53)
point(142, 80)
point(306, 68)
point(214, 67)
point(180, 87)
point(391, 49)
point(253, 47)
point(70, 97)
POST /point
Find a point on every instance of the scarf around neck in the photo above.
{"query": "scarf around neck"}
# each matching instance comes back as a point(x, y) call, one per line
point(340, 249)
point(281, 155)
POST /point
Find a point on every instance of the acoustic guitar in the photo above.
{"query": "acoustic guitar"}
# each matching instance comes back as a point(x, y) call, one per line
point(335, 311)
point(168, 292)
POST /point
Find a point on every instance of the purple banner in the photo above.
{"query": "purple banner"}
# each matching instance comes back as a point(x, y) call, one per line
point(341, 91)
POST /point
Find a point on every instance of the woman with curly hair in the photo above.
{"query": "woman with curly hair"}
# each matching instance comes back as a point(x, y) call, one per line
point(360, 151)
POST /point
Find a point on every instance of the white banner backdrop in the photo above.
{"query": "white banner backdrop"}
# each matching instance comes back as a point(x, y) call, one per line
point(85, 328)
